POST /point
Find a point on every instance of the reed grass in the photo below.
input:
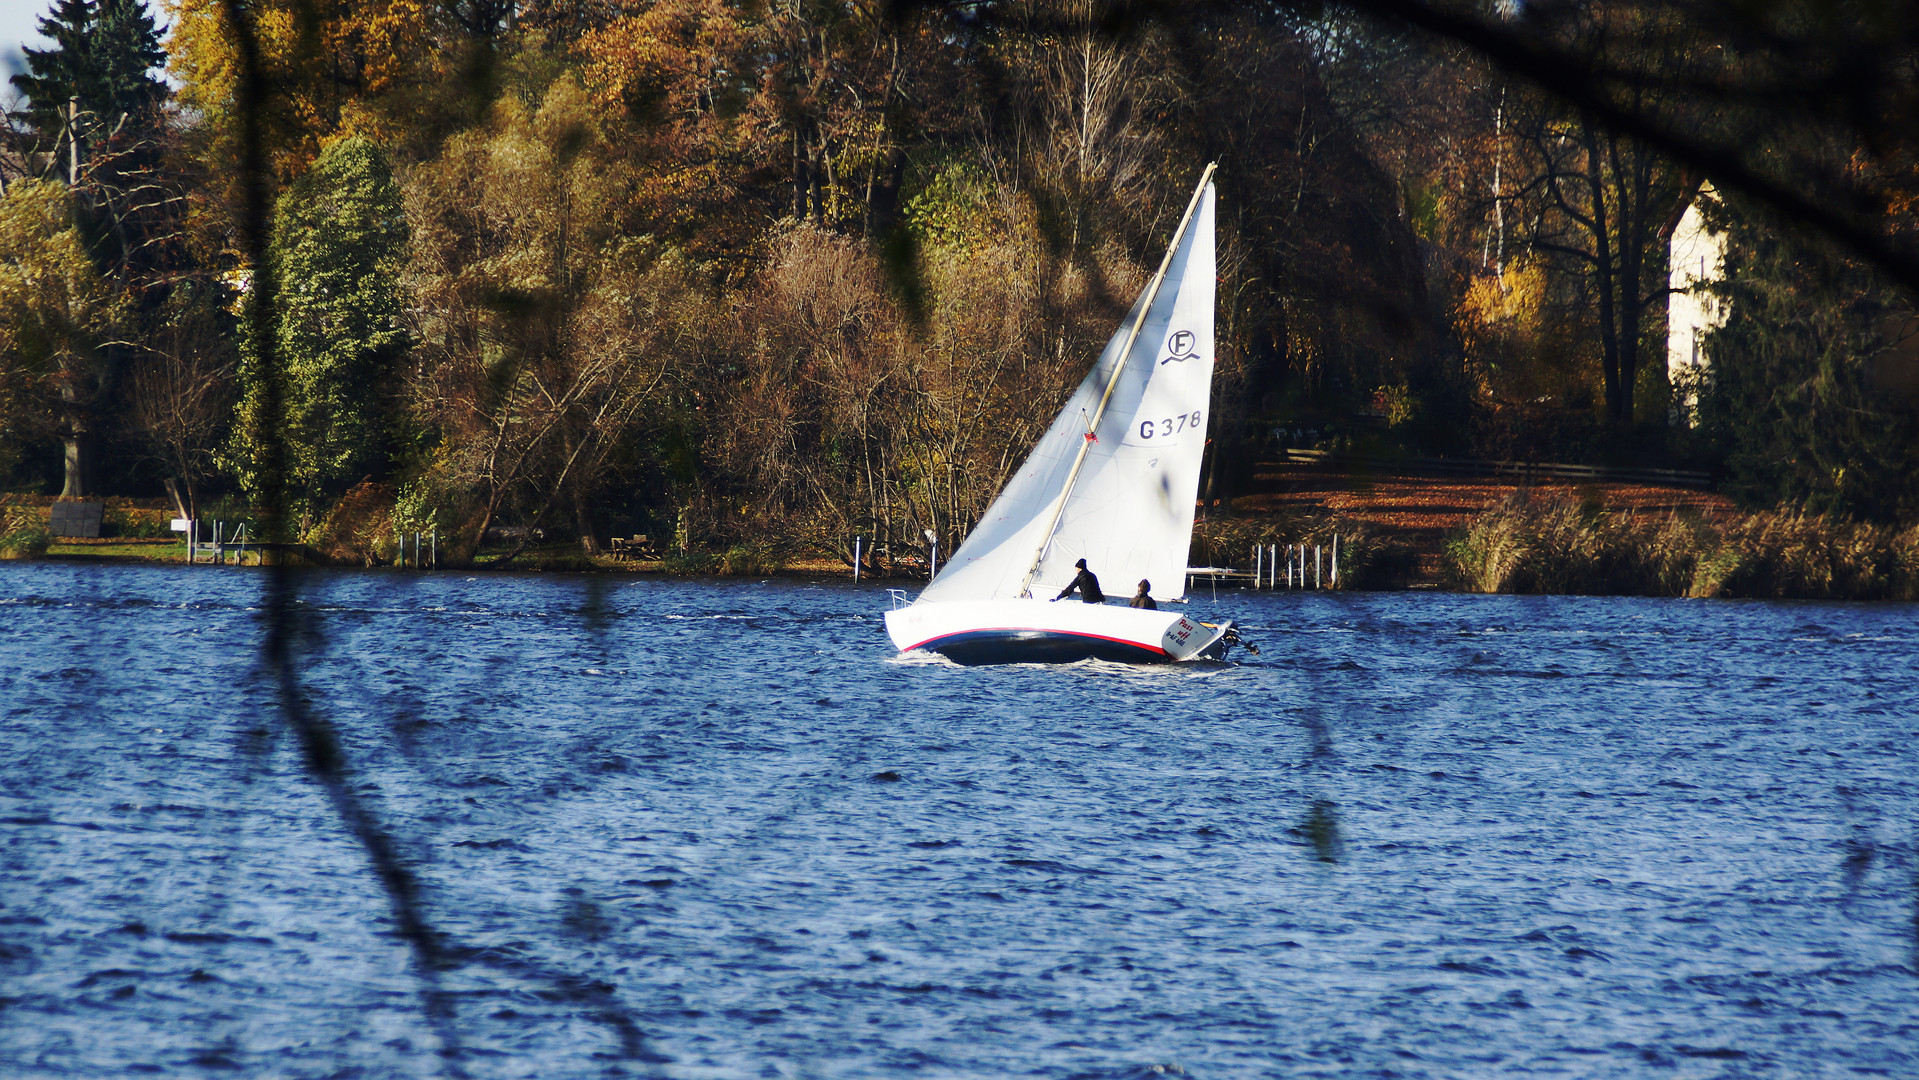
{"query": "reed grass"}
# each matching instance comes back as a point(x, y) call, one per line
point(23, 532)
point(1570, 545)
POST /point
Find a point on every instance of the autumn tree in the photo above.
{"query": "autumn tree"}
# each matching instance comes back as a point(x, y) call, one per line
point(326, 64)
point(61, 317)
point(1602, 203)
point(92, 121)
point(546, 328)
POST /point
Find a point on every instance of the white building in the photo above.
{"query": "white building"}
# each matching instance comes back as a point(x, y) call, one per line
point(1697, 262)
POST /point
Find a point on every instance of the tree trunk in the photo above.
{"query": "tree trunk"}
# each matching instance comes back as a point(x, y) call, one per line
point(815, 171)
point(1604, 276)
point(179, 504)
point(583, 518)
point(1632, 256)
point(79, 465)
point(79, 456)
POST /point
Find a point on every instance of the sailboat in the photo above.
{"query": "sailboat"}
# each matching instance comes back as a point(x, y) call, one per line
point(1113, 482)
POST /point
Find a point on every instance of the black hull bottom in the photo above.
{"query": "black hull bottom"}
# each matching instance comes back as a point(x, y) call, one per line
point(979, 647)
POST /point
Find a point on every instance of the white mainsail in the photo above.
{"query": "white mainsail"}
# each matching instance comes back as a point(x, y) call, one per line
point(1129, 510)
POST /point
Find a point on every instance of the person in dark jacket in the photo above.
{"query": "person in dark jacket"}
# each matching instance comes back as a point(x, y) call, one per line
point(1141, 600)
point(1086, 583)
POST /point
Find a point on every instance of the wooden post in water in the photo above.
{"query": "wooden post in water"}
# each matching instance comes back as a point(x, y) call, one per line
point(1255, 567)
point(1316, 566)
point(856, 560)
point(436, 547)
point(1335, 560)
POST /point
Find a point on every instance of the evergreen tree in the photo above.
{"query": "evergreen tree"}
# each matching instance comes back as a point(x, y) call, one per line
point(103, 51)
point(1804, 396)
point(339, 244)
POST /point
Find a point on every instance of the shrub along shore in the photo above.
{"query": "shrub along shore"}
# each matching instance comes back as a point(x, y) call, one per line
point(1528, 544)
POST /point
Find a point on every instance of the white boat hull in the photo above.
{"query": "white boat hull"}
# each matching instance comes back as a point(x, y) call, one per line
point(1043, 632)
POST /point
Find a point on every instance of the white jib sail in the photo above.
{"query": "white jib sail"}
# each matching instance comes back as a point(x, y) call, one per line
point(1130, 512)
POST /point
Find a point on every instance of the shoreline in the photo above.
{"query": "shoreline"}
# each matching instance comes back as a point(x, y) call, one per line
point(1395, 531)
point(819, 569)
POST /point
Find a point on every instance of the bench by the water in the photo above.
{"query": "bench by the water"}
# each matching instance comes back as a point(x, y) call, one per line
point(77, 519)
point(639, 547)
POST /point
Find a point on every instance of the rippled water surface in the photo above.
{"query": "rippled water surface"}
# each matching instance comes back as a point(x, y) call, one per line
point(719, 829)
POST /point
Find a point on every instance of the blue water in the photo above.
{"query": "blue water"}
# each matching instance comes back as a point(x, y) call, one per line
point(718, 829)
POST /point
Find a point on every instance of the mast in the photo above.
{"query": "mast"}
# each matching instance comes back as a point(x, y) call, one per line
point(1125, 354)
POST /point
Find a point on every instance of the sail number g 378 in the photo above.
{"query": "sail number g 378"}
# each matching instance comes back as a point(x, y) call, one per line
point(1171, 425)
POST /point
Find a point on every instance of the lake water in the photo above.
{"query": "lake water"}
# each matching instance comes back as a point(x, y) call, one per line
point(719, 829)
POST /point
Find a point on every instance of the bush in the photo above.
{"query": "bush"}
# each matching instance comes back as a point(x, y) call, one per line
point(1564, 545)
point(130, 521)
point(23, 533)
point(359, 528)
point(755, 558)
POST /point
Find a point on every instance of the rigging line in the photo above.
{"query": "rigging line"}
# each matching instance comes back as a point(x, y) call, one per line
point(1152, 294)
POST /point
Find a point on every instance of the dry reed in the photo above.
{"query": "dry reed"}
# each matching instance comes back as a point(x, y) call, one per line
point(1565, 545)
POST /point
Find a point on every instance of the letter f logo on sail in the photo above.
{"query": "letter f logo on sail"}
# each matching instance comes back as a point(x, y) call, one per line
point(1180, 347)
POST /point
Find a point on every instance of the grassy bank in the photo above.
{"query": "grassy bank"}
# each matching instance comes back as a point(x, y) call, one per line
point(1569, 545)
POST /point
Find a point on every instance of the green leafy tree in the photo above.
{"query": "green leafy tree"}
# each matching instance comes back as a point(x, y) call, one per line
point(339, 243)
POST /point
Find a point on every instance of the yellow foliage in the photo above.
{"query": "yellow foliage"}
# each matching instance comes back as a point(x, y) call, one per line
point(1499, 311)
point(670, 59)
point(55, 308)
point(1518, 345)
point(318, 56)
